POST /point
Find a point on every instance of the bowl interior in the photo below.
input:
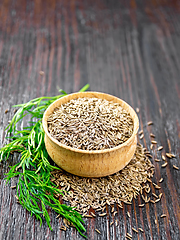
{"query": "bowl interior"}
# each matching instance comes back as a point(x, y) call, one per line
point(108, 97)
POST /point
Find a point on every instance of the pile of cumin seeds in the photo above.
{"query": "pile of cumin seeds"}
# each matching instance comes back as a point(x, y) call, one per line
point(84, 193)
point(90, 124)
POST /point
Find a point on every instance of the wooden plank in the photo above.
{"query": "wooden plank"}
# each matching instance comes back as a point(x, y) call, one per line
point(129, 49)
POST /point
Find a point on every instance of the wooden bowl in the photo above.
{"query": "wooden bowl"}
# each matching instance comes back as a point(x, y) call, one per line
point(94, 163)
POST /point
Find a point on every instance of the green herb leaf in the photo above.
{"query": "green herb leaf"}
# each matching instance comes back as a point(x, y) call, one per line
point(35, 191)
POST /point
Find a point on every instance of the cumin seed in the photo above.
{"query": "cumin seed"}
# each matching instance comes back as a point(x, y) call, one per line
point(142, 135)
point(102, 214)
point(160, 195)
point(154, 195)
point(41, 72)
point(160, 180)
point(164, 165)
point(160, 148)
point(63, 228)
point(94, 215)
point(175, 167)
point(115, 213)
point(135, 230)
point(16, 197)
point(129, 235)
point(98, 231)
point(168, 155)
point(88, 216)
point(140, 132)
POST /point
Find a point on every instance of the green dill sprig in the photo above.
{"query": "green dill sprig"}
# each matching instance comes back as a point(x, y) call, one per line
point(35, 190)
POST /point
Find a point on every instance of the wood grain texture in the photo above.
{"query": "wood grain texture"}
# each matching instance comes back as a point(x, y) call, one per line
point(130, 49)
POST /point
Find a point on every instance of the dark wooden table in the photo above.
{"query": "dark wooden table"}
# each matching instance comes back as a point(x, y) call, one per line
point(130, 49)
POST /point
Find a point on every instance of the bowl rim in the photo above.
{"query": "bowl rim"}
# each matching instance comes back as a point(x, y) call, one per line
point(77, 94)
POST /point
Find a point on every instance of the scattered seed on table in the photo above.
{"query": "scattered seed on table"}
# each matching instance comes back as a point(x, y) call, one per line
point(116, 222)
point(175, 167)
point(141, 229)
point(160, 180)
point(88, 216)
point(157, 186)
point(111, 223)
point(154, 195)
point(141, 205)
point(41, 72)
point(152, 201)
point(157, 200)
point(164, 165)
point(99, 209)
point(128, 202)
point(63, 228)
point(163, 158)
point(6, 111)
point(149, 123)
point(102, 214)
point(120, 206)
point(152, 135)
point(151, 147)
point(129, 235)
point(88, 192)
point(149, 155)
point(149, 180)
point(58, 215)
point(157, 160)
point(94, 215)
point(160, 148)
point(142, 135)
point(172, 155)
point(137, 110)
point(143, 197)
point(115, 213)
point(160, 195)
point(135, 230)
point(13, 187)
point(112, 210)
point(168, 155)
point(155, 221)
point(16, 197)
point(98, 231)
point(128, 214)
point(154, 142)
point(140, 132)
point(163, 215)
